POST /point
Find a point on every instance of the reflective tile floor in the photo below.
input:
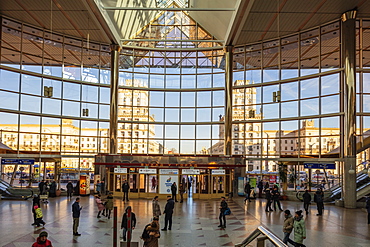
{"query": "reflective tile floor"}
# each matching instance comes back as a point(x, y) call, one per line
point(194, 223)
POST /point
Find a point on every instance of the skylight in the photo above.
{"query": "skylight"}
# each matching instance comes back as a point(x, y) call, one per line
point(173, 3)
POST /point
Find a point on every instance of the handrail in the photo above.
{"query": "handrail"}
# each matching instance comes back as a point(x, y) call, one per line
point(266, 232)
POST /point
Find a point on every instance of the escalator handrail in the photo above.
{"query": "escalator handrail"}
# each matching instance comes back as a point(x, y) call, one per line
point(275, 240)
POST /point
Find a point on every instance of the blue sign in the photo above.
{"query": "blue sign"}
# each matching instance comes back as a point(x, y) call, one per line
point(17, 161)
point(319, 165)
point(26, 161)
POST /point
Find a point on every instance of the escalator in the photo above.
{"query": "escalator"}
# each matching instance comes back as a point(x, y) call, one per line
point(362, 187)
point(9, 192)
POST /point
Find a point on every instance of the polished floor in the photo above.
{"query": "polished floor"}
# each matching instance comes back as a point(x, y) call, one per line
point(194, 223)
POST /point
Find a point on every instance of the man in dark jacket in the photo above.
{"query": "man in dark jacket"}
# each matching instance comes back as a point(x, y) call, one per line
point(269, 200)
point(260, 188)
point(276, 198)
point(306, 200)
point(247, 190)
point(368, 209)
point(41, 187)
point(42, 240)
point(124, 224)
point(69, 189)
point(76, 210)
point(168, 211)
point(319, 199)
point(125, 190)
point(174, 191)
point(222, 217)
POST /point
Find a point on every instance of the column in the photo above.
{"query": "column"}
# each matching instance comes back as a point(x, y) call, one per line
point(349, 106)
point(113, 123)
point(228, 101)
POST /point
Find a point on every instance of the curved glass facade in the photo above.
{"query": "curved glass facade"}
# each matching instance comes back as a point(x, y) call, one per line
point(55, 96)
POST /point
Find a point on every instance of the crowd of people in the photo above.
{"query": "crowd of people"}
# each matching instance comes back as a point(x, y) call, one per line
point(151, 232)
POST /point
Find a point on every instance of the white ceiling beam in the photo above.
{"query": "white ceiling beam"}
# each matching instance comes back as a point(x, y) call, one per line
point(103, 20)
point(236, 24)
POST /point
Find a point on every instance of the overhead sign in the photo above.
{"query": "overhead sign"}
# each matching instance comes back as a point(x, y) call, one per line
point(218, 172)
point(319, 165)
point(17, 161)
point(148, 171)
point(168, 171)
point(120, 170)
point(190, 171)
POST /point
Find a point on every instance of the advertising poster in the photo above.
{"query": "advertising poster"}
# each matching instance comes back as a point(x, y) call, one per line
point(84, 185)
point(165, 182)
point(253, 182)
point(241, 186)
point(273, 180)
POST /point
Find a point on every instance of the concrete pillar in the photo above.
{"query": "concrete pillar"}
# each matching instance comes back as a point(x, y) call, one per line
point(228, 100)
point(113, 123)
point(349, 106)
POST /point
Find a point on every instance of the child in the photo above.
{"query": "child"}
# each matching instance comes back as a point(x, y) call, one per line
point(39, 215)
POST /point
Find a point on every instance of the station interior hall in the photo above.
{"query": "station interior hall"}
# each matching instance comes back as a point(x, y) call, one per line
point(210, 96)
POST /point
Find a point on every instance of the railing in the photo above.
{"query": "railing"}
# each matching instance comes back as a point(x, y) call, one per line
point(267, 235)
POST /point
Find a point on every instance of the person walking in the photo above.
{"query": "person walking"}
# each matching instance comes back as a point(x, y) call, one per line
point(99, 204)
point(306, 201)
point(222, 217)
point(247, 190)
point(39, 216)
point(69, 189)
point(267, 186)
point(299, 229)
point(42, 240)
point(156, 207)
point(109, 205)
point(288, 227)
point(124, 223)
point(368, 209)
point(98, 187)
point(76, 211)
point(168, 211)
point(53, 189)
point(269, 201)
point(319, 199)
point(125, 190)
point(260, 188)
point(174, 191)
point(152, 233)
point(182, 191)
point(41, 187)
point(45, 191)
point(35, 202)
point(276, 198)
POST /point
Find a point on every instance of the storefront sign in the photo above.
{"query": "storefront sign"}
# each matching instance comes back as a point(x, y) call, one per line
point(120, 170)
point(165, 183)
point(218, 172)
point(190, 171)
point(168, 171)
point(148, 171)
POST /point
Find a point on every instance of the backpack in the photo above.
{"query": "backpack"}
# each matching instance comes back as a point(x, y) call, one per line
point(145, 234)
point(227, 211)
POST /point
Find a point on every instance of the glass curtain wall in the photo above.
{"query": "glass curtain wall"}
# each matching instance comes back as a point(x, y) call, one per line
point(54, 93)
point(287, 97)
